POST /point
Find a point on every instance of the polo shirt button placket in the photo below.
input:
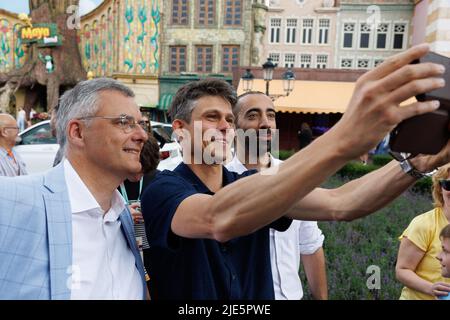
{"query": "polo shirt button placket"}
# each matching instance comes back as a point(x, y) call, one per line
point(223, 248)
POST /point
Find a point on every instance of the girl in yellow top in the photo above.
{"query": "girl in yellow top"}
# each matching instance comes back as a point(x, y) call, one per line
point(417, 265)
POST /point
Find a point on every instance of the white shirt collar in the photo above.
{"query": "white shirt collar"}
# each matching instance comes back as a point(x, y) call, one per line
point(236, 165)
point(82, 200)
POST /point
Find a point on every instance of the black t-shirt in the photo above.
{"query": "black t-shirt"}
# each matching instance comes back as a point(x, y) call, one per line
point(183, 268)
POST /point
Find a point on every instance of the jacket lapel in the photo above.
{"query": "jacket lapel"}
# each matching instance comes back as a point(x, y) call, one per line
point(59, 226)
point(128, 230)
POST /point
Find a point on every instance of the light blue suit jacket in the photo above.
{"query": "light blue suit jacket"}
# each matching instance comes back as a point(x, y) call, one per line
point(36, 237)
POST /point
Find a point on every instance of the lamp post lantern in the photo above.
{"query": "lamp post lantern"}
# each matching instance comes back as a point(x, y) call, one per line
point(288, 81)
point(247, 80)
point(268, 68)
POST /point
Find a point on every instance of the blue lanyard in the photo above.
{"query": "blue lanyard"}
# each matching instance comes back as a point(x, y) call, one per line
point(124, 191)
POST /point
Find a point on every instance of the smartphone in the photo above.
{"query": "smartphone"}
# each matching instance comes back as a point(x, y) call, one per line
point(427, 133)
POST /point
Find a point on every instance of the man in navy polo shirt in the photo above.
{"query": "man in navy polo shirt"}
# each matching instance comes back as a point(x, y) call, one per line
point(209, 234)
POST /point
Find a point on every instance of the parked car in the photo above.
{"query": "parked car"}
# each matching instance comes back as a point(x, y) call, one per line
point(38, 147)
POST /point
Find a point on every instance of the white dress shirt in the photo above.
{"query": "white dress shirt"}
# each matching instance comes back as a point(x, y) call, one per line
point(103, 264)
point(302, 237)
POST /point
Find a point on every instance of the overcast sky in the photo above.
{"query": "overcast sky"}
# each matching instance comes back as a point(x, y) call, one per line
point(19, 6)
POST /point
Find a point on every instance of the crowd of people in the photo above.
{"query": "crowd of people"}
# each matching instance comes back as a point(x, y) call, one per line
point(218, 226)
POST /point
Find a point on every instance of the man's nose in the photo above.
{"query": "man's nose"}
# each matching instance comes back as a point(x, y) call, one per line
point(141, 134)
point(224, 124)
point(264, 123)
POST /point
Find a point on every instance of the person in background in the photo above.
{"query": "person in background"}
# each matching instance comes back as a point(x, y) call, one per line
point(444, 257)
point(305, 135)
point(11, 164)
point(132, 189)
point(302, 241)
point(32, 113)
point(417, 267)
point(21, 119)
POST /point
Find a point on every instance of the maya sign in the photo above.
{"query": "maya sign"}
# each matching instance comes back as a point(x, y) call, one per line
point(45, 34)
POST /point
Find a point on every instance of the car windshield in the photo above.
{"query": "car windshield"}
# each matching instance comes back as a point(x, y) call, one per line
point(41, 134)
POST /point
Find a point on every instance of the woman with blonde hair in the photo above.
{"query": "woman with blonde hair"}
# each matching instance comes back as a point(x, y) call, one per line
point(417, 265)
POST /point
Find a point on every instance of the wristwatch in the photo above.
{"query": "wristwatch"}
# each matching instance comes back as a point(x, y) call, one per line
point(409, 169)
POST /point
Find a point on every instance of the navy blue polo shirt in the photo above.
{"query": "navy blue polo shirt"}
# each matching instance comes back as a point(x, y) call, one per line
point(182, 268)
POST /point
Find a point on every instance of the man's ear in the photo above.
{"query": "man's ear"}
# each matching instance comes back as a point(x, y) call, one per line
point(178, 126)
point(75, 132)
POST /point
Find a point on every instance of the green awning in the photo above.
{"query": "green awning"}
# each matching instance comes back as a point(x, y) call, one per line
point(164, 101)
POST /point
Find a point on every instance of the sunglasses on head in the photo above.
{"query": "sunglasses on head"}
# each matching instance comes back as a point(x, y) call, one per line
point(445, 184)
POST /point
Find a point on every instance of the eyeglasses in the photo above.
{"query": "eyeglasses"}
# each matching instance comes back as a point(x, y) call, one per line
point(445, 184)
point(125, 122)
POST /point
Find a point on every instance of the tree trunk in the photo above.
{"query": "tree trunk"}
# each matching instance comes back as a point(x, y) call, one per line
point(5, 97)
point(68, 68)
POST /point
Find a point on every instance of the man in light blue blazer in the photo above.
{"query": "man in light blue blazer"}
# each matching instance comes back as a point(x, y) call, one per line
point(67, 233)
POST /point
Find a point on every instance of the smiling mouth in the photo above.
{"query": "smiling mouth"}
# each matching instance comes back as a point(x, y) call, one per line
point(132, 151)
point(215, 140)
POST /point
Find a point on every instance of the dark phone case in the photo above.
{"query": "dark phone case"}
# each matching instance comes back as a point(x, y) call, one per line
point(427, 133)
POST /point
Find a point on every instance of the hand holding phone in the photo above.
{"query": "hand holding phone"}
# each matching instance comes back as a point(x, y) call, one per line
point(427, 133)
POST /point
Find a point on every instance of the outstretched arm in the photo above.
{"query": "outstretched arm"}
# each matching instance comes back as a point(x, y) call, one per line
point(249, 204)
point(365, 195)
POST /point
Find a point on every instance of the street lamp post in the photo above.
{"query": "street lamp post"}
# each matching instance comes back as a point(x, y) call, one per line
point(268, 68)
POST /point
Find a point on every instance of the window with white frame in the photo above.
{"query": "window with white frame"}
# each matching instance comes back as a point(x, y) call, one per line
point(275, 58)
point(275, 28)
point(321, 61)
point(349, 30)
point(291, 29)
point(381, 38)
point(363, 63)
point(364, 35)
point(307, 31)
point(305, 61)
point(346, 63)
point(399, 36)
point(324, 29)
point(377, 62)
point(289, 60)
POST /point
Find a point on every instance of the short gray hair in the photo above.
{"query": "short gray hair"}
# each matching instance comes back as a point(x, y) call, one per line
point(83, 101)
